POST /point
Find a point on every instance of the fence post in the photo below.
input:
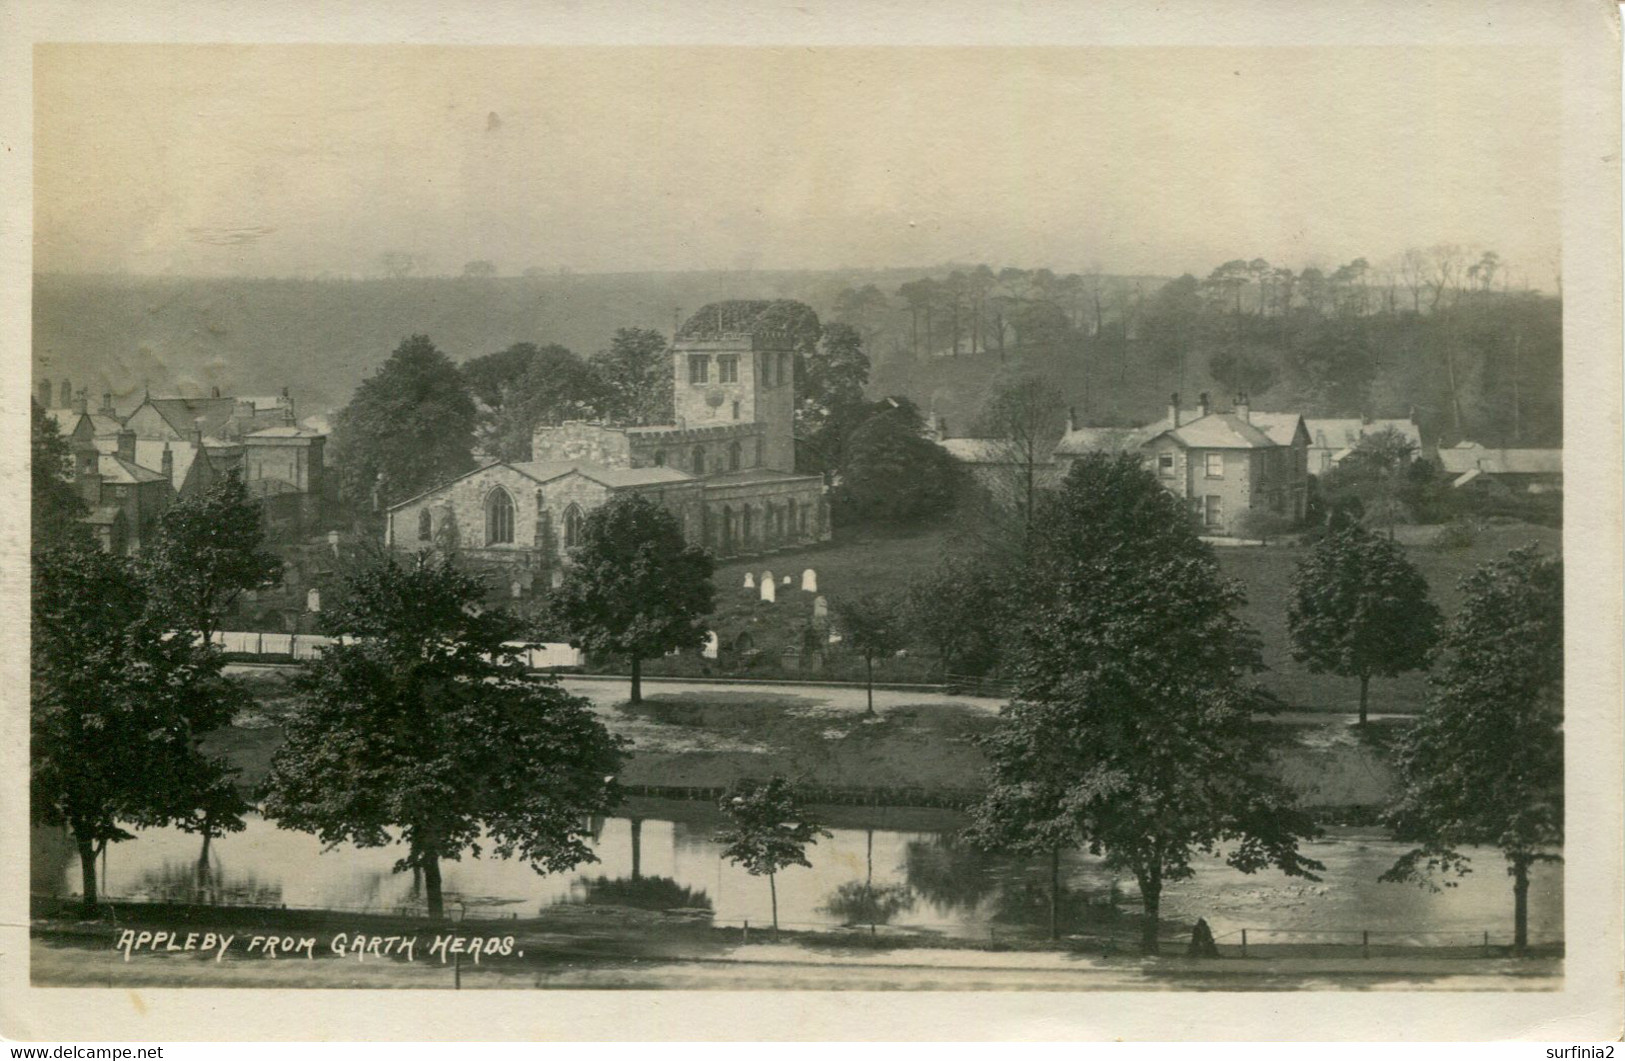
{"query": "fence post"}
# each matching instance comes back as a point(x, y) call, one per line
point(1244, 943)
point(1486, 943)
point(1365, 943)
point(746, 937)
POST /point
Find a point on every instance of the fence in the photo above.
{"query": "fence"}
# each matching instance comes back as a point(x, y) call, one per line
point(280, 648)
point(1263, 942)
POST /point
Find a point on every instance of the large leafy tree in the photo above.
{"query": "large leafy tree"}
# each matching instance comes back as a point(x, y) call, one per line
point(829, 390)
point(1360, 609)
point(1133, 731)
point(209, 549)
point(637, 371)
point(117, 707)
point(56, 508)
point(527, 386)
point(892, 473)
point(1483, 766)
point(767, 831)
point(1377, 472)
point(635, 588)
point(406, 429)
point(1025, 415)
point(962, 610)
point(422, 727)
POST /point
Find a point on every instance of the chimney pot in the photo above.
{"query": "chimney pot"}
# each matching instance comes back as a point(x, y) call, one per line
point(126, 445)
point(1244, 407)
point(65, 395)
point(1202, 403)
point(45, 394)
point(169, 464)
point(107, 403)
point(214, 392)
point(1173, 408)
point(81, 404)
point(1071, 418)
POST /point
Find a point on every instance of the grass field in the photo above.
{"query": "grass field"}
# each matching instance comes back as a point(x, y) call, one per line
point(887, 563)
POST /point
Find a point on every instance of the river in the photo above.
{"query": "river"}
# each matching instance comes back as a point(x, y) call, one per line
point(885, 866)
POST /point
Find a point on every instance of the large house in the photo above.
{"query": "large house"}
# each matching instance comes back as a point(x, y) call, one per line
point(725, 469)
point(1225, 465)
point(1525, 471)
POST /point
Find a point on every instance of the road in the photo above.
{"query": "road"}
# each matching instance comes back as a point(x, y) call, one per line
point(607, 692)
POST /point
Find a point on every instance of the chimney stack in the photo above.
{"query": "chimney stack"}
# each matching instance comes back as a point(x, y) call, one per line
point(197, 434)
point(1071, 418)
point(169, 464)
point(45, 394)
point(1173, 408)
point(126, 445)
point(81, 404)
point(214, 392)
point(1202, 403)
point(65, 400)
point(1244, 407)
point(107, 404)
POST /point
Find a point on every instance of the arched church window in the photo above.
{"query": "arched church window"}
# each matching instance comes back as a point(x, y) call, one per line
point(744, 527)
point(572, 526)
point(425, 526)
point(699, 460)
point(498, 518)
point(660, 458)
point(733, 457)
point(790, 515)
point(727, 528)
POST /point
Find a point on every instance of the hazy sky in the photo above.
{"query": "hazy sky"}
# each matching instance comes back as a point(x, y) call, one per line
point(298, 160)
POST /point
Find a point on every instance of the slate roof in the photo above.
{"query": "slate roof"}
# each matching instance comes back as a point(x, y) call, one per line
point(184, 413)
point(115, 469)
point(1470, 456)
point(547, 471)
point(755, 475)
point(1099, 439)
point(283, 432)
point(1213, 431)
point(149, 453)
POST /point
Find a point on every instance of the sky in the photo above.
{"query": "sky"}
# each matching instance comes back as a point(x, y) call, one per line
point(309, 160)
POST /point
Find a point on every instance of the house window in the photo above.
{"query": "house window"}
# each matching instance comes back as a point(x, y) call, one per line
point(1215, 465)
point(425, 526)
point(733, 457)
point(736, 408)
point(572, 526)
point(660, 458)
point(727, 370)
point(498, 518)
point(1213, 515)
point(1165, 465)
point(699, 368)
point(699, 460)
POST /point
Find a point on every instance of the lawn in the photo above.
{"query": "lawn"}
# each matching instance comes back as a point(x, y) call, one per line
point(890, 563)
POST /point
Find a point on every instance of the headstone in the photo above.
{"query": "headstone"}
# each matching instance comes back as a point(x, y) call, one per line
point(786, 580)
point(333, 542)
point(834, 638)
point(809, 581)
point(820, 609)
point(790, 658)
point(516, 589)
point(767, 576)
point(556, 579)
point(750, 580)
point(313, 600)
point(769, 589)
point(712, 644)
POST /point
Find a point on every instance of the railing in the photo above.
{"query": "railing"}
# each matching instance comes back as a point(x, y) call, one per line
point(281, 648)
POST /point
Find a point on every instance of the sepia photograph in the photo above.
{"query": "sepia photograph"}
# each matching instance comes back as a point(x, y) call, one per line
point(732, 516)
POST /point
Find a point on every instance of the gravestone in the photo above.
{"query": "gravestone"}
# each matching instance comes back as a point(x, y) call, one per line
point(786, 580)
point(333, 542)
point(820, 609)
point(809, 581)
point(556, 579)
point(790, 658)
point(750, 580)
point(769, 589)
point(834, 638)
point(516, 589)
point(313, 600)
point(712, 644)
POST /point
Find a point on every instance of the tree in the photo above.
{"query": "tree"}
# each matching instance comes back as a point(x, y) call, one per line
point(116, 709)
point(1374, 471)
point(873, 625)
point(526, 386)
point(1132, 731)
point(1360, 609)
point(635, 587)
point(1242, 370)
point(767, 831)
point(636, 370)
point(892, 473)
point(1484, 763)
point(422, 727)
point(829, 391)
point(406, 429)
point(1026, 415)
point(209, 548)
point(56, 508)
point(961, 610)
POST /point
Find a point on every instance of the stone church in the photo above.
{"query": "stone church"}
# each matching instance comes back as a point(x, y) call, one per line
point(725, 469)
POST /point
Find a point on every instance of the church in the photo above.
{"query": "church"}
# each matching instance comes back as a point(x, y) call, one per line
point(725, 469)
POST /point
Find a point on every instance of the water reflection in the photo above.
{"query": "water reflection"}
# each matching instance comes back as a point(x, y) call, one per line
point(912, 880)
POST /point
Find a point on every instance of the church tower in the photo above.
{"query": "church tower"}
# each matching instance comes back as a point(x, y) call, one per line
point(733, 364)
